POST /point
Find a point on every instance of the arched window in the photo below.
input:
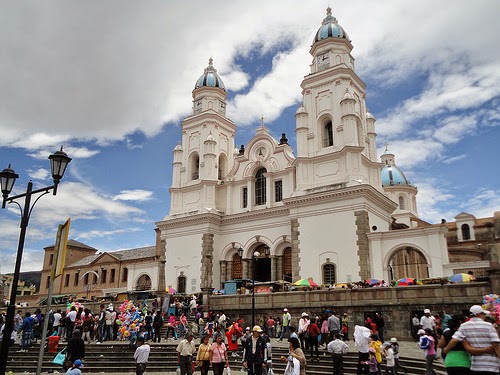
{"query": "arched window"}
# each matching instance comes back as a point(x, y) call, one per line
point(144, 283)
point(465, 231)
point(329, 274)
point(181, 283)
point(260, 187)
point(287, 264)
point(408, 262)
point(402, 205)
point(237, 268)
point(328, 134)
point(195, 167)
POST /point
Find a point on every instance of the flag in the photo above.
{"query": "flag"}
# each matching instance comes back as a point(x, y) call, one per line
point(60, 249)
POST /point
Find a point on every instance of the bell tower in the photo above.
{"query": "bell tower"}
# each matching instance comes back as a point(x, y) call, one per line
point(335, 142)
point(206, 153)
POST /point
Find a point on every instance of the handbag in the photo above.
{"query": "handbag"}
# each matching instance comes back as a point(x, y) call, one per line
point(60, 357)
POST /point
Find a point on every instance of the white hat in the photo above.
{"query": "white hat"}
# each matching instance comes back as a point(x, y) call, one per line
point(421, 332)
point(476, 309)
point(393, 339)
point(427, 311)
point(285, 309)
point(304, 314)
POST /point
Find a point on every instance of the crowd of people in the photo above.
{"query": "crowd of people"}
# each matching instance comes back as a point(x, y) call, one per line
point(468, 344)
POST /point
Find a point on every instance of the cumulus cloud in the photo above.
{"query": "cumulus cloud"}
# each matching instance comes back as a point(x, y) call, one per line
point(39, 174)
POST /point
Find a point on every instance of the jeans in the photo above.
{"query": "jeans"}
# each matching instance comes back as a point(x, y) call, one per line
point(62, 332)
point(26, 340)
point(284, 330)
point(101, 332)
point(429, 359)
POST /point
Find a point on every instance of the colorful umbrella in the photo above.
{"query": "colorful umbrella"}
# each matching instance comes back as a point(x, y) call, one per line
point(405, 281)
point(171, 290)
point(373, 281)
point(305, 282)
point(461, 278)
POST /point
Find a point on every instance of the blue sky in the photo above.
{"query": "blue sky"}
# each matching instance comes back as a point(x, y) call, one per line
point(111, 81)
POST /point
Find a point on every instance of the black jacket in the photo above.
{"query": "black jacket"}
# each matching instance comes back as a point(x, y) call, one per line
point(76, 348)
point(259, 356)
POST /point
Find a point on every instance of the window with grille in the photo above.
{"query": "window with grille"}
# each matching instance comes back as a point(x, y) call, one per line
point(278, 191)
point(402, 203)
point(260, 187)
point(465, 232)
point(104, 276)
point(125, 274)
point(181, 284)
point(75, 282)
point(112, 276)
point(328, 134)
point(245, 197)
point(329, 274)
point(66, 281)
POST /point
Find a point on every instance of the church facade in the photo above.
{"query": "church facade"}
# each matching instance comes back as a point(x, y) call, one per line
point(332, 210)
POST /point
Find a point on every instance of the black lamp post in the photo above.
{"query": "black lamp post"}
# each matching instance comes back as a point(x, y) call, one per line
point(58, 163)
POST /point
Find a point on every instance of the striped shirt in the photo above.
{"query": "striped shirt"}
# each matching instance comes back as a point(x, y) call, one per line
point(480, 334)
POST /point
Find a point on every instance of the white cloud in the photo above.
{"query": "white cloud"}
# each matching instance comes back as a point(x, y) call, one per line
point(454, 159)
point(39, 174)
point(73, 152)
point(103, 233)
point(137, 195)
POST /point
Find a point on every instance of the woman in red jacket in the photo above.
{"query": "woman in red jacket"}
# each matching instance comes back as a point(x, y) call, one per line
point(313, 337)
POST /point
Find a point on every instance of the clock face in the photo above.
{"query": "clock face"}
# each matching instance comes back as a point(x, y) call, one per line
point(323, 59)
point(198, 103)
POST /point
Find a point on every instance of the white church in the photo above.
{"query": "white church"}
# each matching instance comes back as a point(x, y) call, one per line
point(332, 210)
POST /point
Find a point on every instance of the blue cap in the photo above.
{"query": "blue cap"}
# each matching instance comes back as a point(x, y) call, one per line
point(78, 363)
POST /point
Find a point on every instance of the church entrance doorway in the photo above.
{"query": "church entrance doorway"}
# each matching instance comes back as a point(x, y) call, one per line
point(262, 271)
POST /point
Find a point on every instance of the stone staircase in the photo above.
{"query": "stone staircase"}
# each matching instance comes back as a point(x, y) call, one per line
point(116, 357)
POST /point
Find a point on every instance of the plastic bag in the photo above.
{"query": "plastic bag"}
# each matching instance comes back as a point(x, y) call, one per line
point(227, 371)
point(60, 357)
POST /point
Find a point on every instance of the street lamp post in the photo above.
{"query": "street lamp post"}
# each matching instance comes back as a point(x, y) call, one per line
point(58, 163)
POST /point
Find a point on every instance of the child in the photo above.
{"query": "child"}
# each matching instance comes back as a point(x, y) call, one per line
point(372, 362)
point(388, 353)
point(376, 344)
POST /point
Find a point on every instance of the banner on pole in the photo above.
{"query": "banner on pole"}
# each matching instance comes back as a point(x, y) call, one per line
point(60, 249)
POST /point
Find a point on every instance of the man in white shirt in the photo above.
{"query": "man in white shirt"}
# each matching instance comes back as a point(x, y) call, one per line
point(481, 337)
point(362, 342)
point(70, 322)
point(57, 320)
point(141, 356)
point(185, 351)
point(337, 348)
point(427, 321)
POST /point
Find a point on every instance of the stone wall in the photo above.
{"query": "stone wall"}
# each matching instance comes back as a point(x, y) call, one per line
point(396, 304)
